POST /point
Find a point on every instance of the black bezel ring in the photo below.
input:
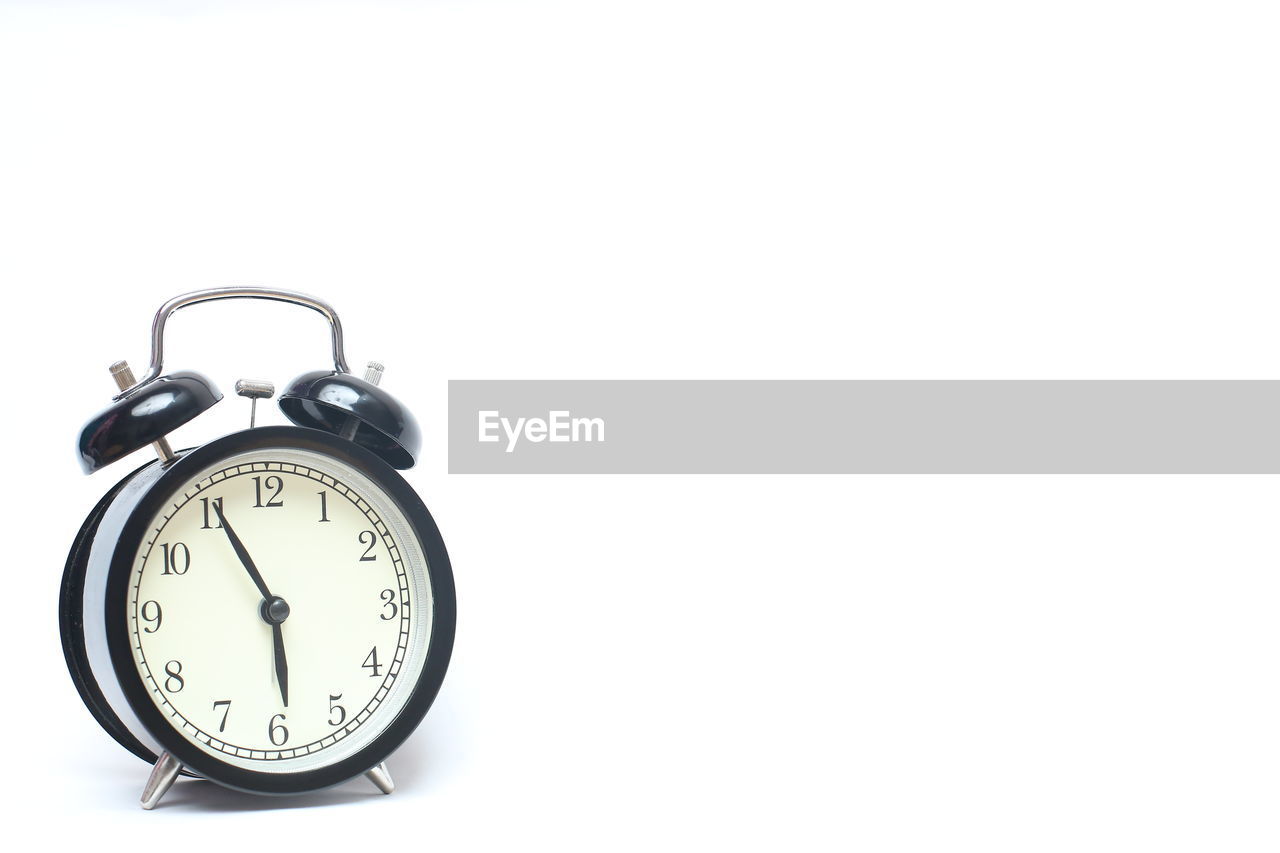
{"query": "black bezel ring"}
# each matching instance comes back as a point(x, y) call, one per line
point(439, 645)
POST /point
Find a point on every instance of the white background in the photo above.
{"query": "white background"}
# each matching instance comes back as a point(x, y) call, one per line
point(706, 190)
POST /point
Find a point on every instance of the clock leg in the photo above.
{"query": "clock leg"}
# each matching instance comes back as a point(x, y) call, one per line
point(165, 771)
point(380, 777)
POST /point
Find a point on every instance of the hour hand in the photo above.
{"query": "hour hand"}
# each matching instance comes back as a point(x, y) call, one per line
point(282, 665)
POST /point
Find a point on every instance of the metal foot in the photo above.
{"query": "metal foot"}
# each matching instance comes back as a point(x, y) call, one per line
point(380, 777)
point(162, 775)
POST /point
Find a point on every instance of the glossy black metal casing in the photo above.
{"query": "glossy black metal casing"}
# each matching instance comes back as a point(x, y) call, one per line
point(71, 623)
point(119, 643)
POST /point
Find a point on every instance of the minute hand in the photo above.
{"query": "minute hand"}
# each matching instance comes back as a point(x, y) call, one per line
point(245, 559)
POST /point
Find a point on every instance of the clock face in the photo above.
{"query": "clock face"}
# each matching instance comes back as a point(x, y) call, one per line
point(279, 610)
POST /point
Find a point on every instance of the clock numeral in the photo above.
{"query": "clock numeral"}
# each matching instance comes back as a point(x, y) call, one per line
point(175, 682)
point(274, 485)
point(278, 734)
point(388, 597)
point(335, 707)
point(211, 516)
point(151, 612)
point(371, 662)
point(226, 709)
point(177, 558)
point(368, 556)
point(324, 505)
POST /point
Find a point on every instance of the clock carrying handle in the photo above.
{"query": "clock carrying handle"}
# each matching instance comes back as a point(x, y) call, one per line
point(216, 293)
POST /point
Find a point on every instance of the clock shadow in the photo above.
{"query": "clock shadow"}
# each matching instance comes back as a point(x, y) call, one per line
point(201, 796)
point(410, 767)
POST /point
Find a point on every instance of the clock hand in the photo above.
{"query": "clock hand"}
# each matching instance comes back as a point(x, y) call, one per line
point(274, 609)
point(238, 547)
point(282, 666)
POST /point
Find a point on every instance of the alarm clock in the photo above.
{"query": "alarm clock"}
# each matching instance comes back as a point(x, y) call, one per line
point(272, 611)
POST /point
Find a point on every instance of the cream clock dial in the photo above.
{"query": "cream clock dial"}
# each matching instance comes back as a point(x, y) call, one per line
point(275, 608)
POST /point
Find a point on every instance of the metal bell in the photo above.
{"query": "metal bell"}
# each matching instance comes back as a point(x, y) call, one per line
point(144, 416)
point(357, 410)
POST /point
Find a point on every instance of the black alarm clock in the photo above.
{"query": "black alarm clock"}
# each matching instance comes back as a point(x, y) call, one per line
point(274, 610)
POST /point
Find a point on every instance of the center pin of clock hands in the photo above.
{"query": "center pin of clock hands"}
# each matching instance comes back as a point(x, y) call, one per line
point(273, 610)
